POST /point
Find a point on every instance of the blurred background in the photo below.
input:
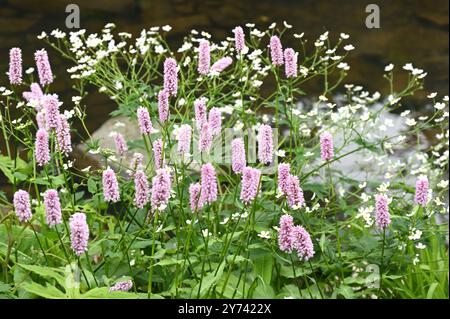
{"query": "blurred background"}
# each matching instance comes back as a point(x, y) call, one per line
point(411, 31)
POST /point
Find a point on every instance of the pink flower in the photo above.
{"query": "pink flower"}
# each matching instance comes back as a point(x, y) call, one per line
point(161, 185)
point(122, 286)
point(52, 207)
point(290, 63)
point(221, 64)
point(184, 139)
point(239, 39)
point(276, 51)
point(215, 120)
point(326, 146)
point(157, 153)
point(51, 106)
point(194, 197)
point(238, 160)
point(110, 186)
point(382, 216)
point(136, 161)
point(22, 206)
point(208, 184)
point(294, 192)
point(145, 124)
point(15, 66)
point(170, 76)
point(204, 58)
point(284, 233)
point(200, 111)
point(283, 177)
point(265, 144)
point(163, 105)
point(250, 184)
point(64, 141)
point(421, 196)
point(142, 189)
point(121, 144)
point(43, 67)
point(205, 142)
point(79, 233)
point(301, 242)
point(34, 96)
point(40, 120)
point(42, 151)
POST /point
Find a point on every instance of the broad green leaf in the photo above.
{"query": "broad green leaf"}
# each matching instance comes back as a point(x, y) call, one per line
point(49, 291)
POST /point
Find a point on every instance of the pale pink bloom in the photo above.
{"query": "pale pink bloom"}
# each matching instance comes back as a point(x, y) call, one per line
point(215, 120)
point(194, 197)
point(142, 189)
point(284, 233)
point(204, 58)
point(145, 123)
point(52, 207)
point(290, 63)
point(184, 139)
point(249, 184)
point(158, 153)
point(34, 96)
point(121, 144)
point(265, 144)
point(122, 286)
point(40, 120)
point(15, 66)
point(163, 105)
point(238, 160)
point(51, 106)
point(205, 142)
point(208, 184)
point(42, 150)
point(276, 51)
point(382, 216)
point(283, 177)
point(161, 185)
point(302, 243)
point(221, 64)
point(79, 233)
point(421, 196)
point(326, 146)
point(43, 67)
point(110, 186)
point(200, 112)
point(170, 76)
point(294, 192)
point(63, 139)
point(22, 206)
point(239, 39)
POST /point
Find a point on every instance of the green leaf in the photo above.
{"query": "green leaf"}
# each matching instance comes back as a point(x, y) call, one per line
point(431, 290)
point(263, 267)
point(104, 293)
point(48, 272)
point(209, 281)
point(49, 291)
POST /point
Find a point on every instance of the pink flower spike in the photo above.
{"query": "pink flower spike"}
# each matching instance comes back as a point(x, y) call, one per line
point(239, 39)
point(158, 153)
point(283, 177)
point(421, 196)
point(79, 233)
point(206, 138)
point(145, 123)
point(290, 63)
point(326, 146)
point(34, 96)
point(194, 197)
point(122, 286)
point(142, 189)
point(63, 139)
point(204, 58)
point(15, 66)
point(200, 112)
point(52, 207)
point(208, 184)
point(382, 216)
point(110, 186)
point(170, 76)
point(238, 159)
point(121, 144)
point(302, 243)
point(51, 106)
point(42, 150)
point(294, 192)
point(221, 64)
point(284, 233)
point(161, 185)
point(22, 206)
point(276, 51)
point(249, 184)
point(265, 144)
point(215, 120)
point(43, 67)
point(184, 139)
point(163, 105)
